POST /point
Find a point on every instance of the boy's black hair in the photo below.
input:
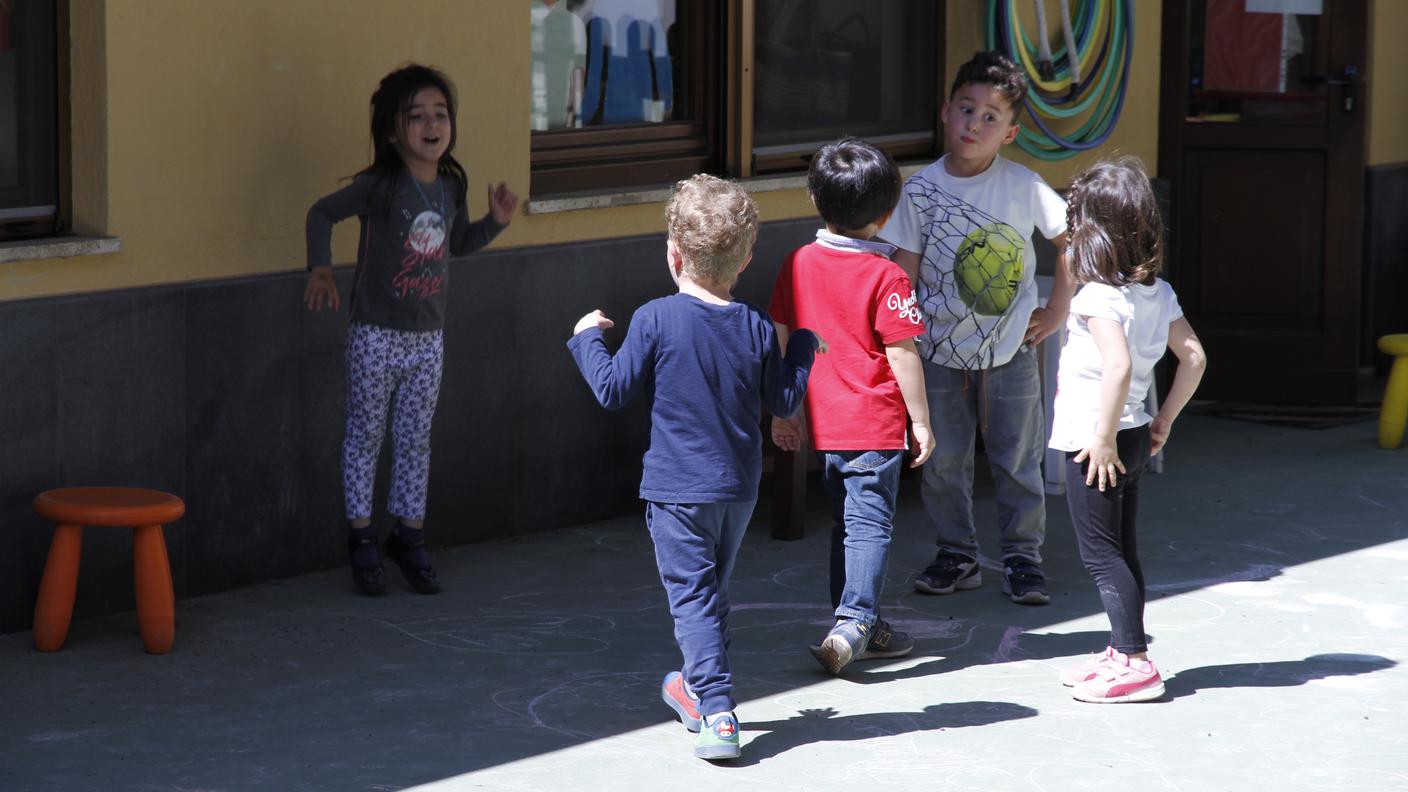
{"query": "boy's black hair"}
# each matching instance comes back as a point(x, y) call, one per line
point(991, 67)
point(853, 183)
point(390, 103)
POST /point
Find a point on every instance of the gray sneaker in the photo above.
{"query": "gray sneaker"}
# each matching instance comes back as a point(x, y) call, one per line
point(885, 642)
point(846, 641)
point(950, 572)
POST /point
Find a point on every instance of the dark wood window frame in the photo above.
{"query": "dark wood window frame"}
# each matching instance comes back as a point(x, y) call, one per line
point(718, 138)
point(53, 132)
point(635, 155)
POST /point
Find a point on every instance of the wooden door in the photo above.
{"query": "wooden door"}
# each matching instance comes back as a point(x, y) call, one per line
point(1262, 140)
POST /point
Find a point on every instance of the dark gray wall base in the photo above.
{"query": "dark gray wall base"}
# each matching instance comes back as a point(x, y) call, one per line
point(230, 394)
point(1385, 258)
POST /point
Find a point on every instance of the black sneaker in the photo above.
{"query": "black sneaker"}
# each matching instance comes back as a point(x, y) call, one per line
point(885, 641)
point(365, 560)
point(422, 579)
point(950, 572)
point(1023, 582)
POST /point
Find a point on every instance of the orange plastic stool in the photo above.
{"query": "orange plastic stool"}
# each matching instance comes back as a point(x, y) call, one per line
point(143, 510)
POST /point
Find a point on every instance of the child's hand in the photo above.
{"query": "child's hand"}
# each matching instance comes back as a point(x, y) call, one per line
point(787, 434)
point(502, 203)
point(821, 347)
point(1043, 323)
point(321, 291)
point(1104, 461)
point(923, 444)
point(1158, 432)
point(594, 319)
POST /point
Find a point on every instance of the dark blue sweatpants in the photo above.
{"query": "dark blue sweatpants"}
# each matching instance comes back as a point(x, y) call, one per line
point(695, 546)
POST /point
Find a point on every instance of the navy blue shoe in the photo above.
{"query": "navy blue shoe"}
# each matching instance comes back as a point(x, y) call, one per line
point(422, 578)
point(365, 560)
point(886, 642)
point(950, 572)
point(1023, 582)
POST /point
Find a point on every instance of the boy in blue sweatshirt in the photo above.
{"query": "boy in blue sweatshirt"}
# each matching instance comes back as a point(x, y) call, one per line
point(713, 365)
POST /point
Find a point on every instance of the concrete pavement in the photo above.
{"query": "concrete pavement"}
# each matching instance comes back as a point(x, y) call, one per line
point(1277, 561)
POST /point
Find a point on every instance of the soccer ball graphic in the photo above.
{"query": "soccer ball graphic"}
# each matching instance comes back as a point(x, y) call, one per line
point(988, 268)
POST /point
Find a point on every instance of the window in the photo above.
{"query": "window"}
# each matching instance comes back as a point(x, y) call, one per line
point(827, 68)
point(29, 107)
point(621, 92)
point(627, 93)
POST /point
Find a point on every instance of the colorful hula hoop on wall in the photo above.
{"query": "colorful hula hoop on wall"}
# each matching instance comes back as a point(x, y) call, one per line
point(1086, 78)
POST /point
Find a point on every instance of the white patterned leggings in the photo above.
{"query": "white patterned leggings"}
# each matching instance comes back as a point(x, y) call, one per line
point(383, 362)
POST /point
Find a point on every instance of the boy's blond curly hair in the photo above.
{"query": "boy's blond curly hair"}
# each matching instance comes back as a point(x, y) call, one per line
point(714, 223)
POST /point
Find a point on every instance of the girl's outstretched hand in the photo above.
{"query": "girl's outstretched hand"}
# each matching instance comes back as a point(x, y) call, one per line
point(1104, 461)
point(502, 203)
point(321, 291)
point(594, 319)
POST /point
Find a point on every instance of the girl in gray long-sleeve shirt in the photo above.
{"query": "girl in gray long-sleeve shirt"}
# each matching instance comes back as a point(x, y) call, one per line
point(412, 208)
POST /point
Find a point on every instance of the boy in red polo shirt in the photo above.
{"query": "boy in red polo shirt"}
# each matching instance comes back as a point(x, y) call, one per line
point(845, 287)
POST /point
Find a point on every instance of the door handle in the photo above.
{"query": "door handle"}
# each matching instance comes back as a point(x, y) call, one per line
point(1348, 82)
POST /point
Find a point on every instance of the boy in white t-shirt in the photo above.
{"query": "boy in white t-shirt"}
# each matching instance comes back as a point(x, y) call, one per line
point(963, 229)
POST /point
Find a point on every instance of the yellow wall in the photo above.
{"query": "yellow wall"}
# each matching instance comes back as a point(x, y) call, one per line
point(203, 131)
point(223, 122)
point(1388, 93)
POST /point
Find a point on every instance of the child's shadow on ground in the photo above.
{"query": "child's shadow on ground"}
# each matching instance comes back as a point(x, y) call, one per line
point(818, 725)
point(1024, 646)
point(1283, 673)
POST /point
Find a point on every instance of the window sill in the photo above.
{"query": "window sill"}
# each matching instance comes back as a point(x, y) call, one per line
point(605, 199)
point(57, 247)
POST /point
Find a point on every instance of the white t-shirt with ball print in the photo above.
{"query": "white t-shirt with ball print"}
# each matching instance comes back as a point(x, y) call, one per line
point(977, 268)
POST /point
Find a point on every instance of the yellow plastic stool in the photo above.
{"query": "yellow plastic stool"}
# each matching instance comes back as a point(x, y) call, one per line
point(1394, 413)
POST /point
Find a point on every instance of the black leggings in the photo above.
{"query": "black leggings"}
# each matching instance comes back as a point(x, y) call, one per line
point(1104, 524)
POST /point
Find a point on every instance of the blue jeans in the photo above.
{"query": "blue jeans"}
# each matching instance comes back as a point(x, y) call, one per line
point(862, 486)
point(695, 547)
point(1005, 403)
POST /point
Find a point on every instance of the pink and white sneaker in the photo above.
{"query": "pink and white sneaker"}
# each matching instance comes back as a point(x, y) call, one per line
point(1121, 680)
point(1070, 677)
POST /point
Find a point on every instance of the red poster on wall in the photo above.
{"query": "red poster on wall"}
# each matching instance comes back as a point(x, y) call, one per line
point(1243, 51)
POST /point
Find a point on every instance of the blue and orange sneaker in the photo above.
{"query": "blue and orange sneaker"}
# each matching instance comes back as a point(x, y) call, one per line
point(675, 692)
point(719, 738)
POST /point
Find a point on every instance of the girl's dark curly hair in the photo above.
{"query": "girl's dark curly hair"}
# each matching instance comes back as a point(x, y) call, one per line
point(1115, 231)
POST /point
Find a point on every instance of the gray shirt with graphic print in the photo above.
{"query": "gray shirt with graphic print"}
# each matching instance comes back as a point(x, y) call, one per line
point(401, 275)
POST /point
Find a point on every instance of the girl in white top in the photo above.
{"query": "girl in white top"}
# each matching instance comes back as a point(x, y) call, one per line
point(1119, 324)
